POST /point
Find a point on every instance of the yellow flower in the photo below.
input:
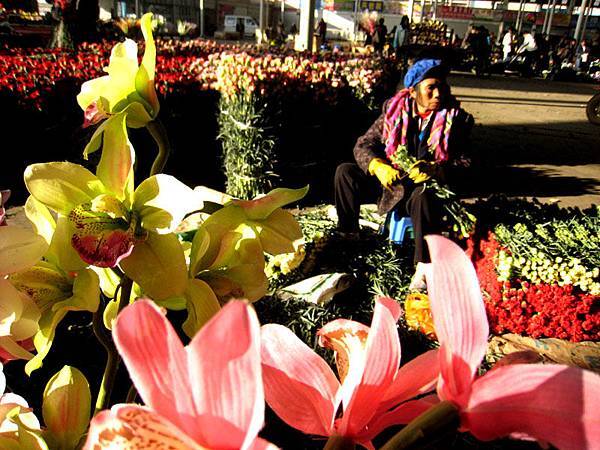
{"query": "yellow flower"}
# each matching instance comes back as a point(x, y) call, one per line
point(418, 315)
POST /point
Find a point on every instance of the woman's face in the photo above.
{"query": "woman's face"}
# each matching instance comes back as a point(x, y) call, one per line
point(429, 94)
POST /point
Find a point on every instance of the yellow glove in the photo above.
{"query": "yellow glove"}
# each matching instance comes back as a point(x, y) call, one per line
point(385, 173)
point(422, 171)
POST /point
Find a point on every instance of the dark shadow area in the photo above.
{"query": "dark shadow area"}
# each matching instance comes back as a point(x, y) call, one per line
point(565, 143)
point(522, 182)
point(522, 101)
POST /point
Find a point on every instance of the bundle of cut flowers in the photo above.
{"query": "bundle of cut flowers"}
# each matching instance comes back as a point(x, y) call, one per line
point(539, 268)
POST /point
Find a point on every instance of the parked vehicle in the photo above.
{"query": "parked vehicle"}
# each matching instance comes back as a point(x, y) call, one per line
point(592, 109)
point(250, 24)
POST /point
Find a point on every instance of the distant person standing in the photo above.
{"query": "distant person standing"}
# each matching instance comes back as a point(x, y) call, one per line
point(508, 42)
point(321, 34)
point(401, 40)
point(379, 35)
point(240, 27)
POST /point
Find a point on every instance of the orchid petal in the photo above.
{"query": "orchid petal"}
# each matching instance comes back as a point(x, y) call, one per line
point(202, 305)
point(262, 207)
point(380, 364)
point(200, 245)
point(40, 217)
point(66, 407)
point(552, 403)
point(156, 362)
point(261, 444)
point(43, 283)
point(11, 306)
point(162, 202)
point(27, 325)
point(19, 249)
point(86, 297)
point(278, 232)
point(228, 389)
point(158, 266)
point(238, 268)
point(144, 79)
point(122, 69)
point(115, 169)
point(299, 385)
point(414, 378)
point(16, 351)
point(133, 427)
point(62, 185)
point(61, 252)
point(91, 91)
point(458, 315)
point(103, 236)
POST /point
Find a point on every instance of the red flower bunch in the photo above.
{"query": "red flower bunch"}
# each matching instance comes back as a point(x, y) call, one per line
point(539, 310)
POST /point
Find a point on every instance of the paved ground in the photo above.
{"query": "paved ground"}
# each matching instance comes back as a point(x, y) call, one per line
point(533, 138)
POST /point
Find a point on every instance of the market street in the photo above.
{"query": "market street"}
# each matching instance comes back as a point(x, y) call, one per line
point(533, 138)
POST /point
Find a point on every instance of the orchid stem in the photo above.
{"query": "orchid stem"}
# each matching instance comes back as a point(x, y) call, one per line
point(131, 394)
point(159, 133)
point(336, 442)
point(428, 426)
point(113, 359)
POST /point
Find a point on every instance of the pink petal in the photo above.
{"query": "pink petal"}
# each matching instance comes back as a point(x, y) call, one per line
point(299, 386)
point(458, 316)
point(414, 378)
point(400, 415)
point(552, 403)
point(348, 339)
point(261, 444)
point(156, 361)
point(133, 427)
point(225, 371)
point(380, 367)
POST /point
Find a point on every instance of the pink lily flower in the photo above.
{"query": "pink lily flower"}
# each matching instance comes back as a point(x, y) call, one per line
point(550, 403)
point(304, 392)
point(208, 395)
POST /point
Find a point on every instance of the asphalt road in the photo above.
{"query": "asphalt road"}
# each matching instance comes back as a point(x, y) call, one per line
point(533, 138)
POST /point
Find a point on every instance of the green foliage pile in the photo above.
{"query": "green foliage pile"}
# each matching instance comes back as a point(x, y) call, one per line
point(380, 267)
point(248, 156)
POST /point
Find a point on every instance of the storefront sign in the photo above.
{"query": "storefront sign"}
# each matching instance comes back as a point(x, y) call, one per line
point(371, 5)
point(454, 12)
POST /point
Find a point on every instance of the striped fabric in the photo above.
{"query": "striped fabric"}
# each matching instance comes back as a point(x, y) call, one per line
point(396, 125)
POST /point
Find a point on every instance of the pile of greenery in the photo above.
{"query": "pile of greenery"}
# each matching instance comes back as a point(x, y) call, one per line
point(380, 267)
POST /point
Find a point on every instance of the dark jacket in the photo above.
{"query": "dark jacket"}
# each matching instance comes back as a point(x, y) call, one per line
point(371, 145)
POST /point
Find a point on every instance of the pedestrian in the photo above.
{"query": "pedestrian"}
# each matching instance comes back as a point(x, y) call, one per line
point(508, 42)
point(423, 121)
point(240, 28)
point(379, 35)
point(401, 41)
point(528, 49)
point(321, 34)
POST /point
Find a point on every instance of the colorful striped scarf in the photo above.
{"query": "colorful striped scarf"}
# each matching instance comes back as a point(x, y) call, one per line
point(396, 125)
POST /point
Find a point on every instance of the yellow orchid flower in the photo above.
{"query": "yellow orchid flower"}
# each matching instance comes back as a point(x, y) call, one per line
point(106, 216)
point(226, 259)
point(276, 229)
point(127, 90)
point(19, 250)
point(57, 284)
